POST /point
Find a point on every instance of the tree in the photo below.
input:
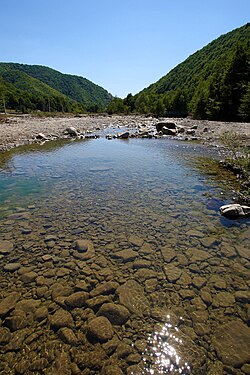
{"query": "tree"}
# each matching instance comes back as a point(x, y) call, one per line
point(129, 101)
point(236, 76)
point(179, 104)
point(159, 108)
point(244, 109)
point(117, 106)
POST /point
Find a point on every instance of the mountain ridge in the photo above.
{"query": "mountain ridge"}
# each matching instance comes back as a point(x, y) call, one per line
point(212, 83)
point(70, 92)
point(239, 38)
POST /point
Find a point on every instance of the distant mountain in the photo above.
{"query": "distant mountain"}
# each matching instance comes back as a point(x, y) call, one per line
point(212, 83)
point(35, 87)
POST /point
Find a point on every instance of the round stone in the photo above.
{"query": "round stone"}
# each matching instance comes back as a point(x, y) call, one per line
point(76, 299)
point(116, 314)
point(11, 267)
point(5, 247)
point(100, 329)
point(61, 318)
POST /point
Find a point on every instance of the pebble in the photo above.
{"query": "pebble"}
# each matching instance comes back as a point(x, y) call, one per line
point(6, 247)
point(77, 299)
point(132, 296)
point(11, 267)
point(116, 314)
point(60, 319)
point(100, 329)
point(29, 277)
point(125, 255)
point(173, 273)
point(8, 303)
point(68, 336)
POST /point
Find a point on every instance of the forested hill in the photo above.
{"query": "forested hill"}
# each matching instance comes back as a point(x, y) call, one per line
point(212, 83)
point(34, 87)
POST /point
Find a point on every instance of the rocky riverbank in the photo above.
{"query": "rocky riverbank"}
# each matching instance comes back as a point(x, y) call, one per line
point(26, 129)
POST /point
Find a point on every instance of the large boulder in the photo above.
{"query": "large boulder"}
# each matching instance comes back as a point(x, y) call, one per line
point(167, 131)
point(235, 211)
point(124, 135)
point(169, 125)
point(41, 137)
point(71, 131)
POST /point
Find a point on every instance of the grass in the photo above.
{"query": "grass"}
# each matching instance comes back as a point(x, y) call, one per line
point(238, 161)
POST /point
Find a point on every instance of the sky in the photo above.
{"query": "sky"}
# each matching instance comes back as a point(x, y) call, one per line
point(121, 45)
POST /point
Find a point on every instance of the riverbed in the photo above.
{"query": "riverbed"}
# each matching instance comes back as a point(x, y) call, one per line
point(114, 259)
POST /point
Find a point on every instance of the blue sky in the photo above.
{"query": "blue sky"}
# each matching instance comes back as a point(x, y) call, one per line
point(122, 45)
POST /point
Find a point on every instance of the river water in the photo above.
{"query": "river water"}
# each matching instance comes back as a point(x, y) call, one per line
point(168, 272)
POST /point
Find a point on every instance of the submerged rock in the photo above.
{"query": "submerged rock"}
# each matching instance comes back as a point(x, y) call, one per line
point(8, 303)
point(67, 335)
point(76, 299)
point(132, 296)
point(17, 321)
point(85, 249)
point(172, 273)
point(61, 319)
point(235, 211)
point(100, 329)
point(232, 344)
point(116, 314)
point(29, 277)
point(135, 240)
point(105, 288)
point(6, 247)
point(11, 267)
point(126, 255)
point(5, 335)
point(168, 254)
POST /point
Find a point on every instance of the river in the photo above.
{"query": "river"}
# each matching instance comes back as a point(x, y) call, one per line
point(116, 258)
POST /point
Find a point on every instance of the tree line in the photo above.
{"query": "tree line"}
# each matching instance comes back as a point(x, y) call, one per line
point(223, 95)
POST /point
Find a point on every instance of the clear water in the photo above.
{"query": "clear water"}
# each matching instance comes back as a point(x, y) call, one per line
point(107, 191)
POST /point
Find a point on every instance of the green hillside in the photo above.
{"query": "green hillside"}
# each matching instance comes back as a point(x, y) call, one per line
point(212, 83)
point(34, 87)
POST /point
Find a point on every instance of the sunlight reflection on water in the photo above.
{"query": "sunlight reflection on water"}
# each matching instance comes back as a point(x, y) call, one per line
point(163, 351)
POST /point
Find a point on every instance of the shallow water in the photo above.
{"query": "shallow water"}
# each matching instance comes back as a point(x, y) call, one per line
point(145, 196)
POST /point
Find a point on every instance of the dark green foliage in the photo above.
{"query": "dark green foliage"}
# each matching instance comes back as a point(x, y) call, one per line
point(117, 106)
point(213, 83)
point(32, 87)
point(244, 110)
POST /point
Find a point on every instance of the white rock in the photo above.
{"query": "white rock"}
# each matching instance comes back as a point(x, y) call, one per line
point(234, 210)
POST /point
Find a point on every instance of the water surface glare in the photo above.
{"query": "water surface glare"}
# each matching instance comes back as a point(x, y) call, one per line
point(158, 263)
